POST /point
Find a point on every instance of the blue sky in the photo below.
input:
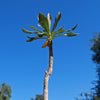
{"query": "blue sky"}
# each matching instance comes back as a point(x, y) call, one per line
point(23, 64)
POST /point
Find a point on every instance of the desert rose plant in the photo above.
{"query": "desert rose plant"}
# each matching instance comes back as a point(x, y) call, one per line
point(45, 33)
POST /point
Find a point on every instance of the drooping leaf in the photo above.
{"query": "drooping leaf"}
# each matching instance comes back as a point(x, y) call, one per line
point(34, 38)
point(72, 28)
point(26, 31)
point(34, 28)
point(70, 34)
point(45, 44)
point(56, 21)
point(44, 22)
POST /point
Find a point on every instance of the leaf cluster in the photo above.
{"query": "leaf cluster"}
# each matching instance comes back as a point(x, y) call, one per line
point(45, 33)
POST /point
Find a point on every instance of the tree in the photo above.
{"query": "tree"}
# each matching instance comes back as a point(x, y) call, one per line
point(45, 24)
point(38, 97)
point(87, 96)
point(96, 58)
point(95, 47)
point(5, 92)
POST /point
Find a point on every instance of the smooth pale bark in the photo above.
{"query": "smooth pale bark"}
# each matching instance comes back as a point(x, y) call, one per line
point(48, 73)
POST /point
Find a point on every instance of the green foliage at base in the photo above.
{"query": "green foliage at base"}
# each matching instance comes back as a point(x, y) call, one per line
point(38, 97)
point(5, 92)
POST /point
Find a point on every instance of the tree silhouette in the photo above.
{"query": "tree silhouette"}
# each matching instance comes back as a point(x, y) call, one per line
point(38, 97)
point(87, 96)
point(95, 47)
point(5, 92)
point(96, 58)
point(45, 24)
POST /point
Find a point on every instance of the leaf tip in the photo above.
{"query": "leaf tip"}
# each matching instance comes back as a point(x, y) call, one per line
point(59, 13)
point(22, 29)
point(28, 40)
point(49, 16)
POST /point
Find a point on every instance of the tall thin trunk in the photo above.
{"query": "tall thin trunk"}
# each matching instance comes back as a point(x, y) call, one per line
point(48, 73)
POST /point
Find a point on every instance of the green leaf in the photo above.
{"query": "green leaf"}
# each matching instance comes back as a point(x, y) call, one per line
point(26, 31)
point(61, 28)
point(56, 21)
point(30, 32)
point(58, 31)
point(44, 22)
point(41, 27)
point(34, 38)
point(70, 34)
point(34, 28)
point(72, 28)
point(66, 34)
point(39, 34)
point(58, 35)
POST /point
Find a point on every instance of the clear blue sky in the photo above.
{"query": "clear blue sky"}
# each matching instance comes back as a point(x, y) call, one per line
point(22, 64)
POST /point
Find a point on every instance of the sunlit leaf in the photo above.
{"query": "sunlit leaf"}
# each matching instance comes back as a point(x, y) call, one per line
point(66, 34)
point(44, 22)
point(56, 21)
point(34, 28)
point(70, 34)
point(39, 25)
point(49, 20)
